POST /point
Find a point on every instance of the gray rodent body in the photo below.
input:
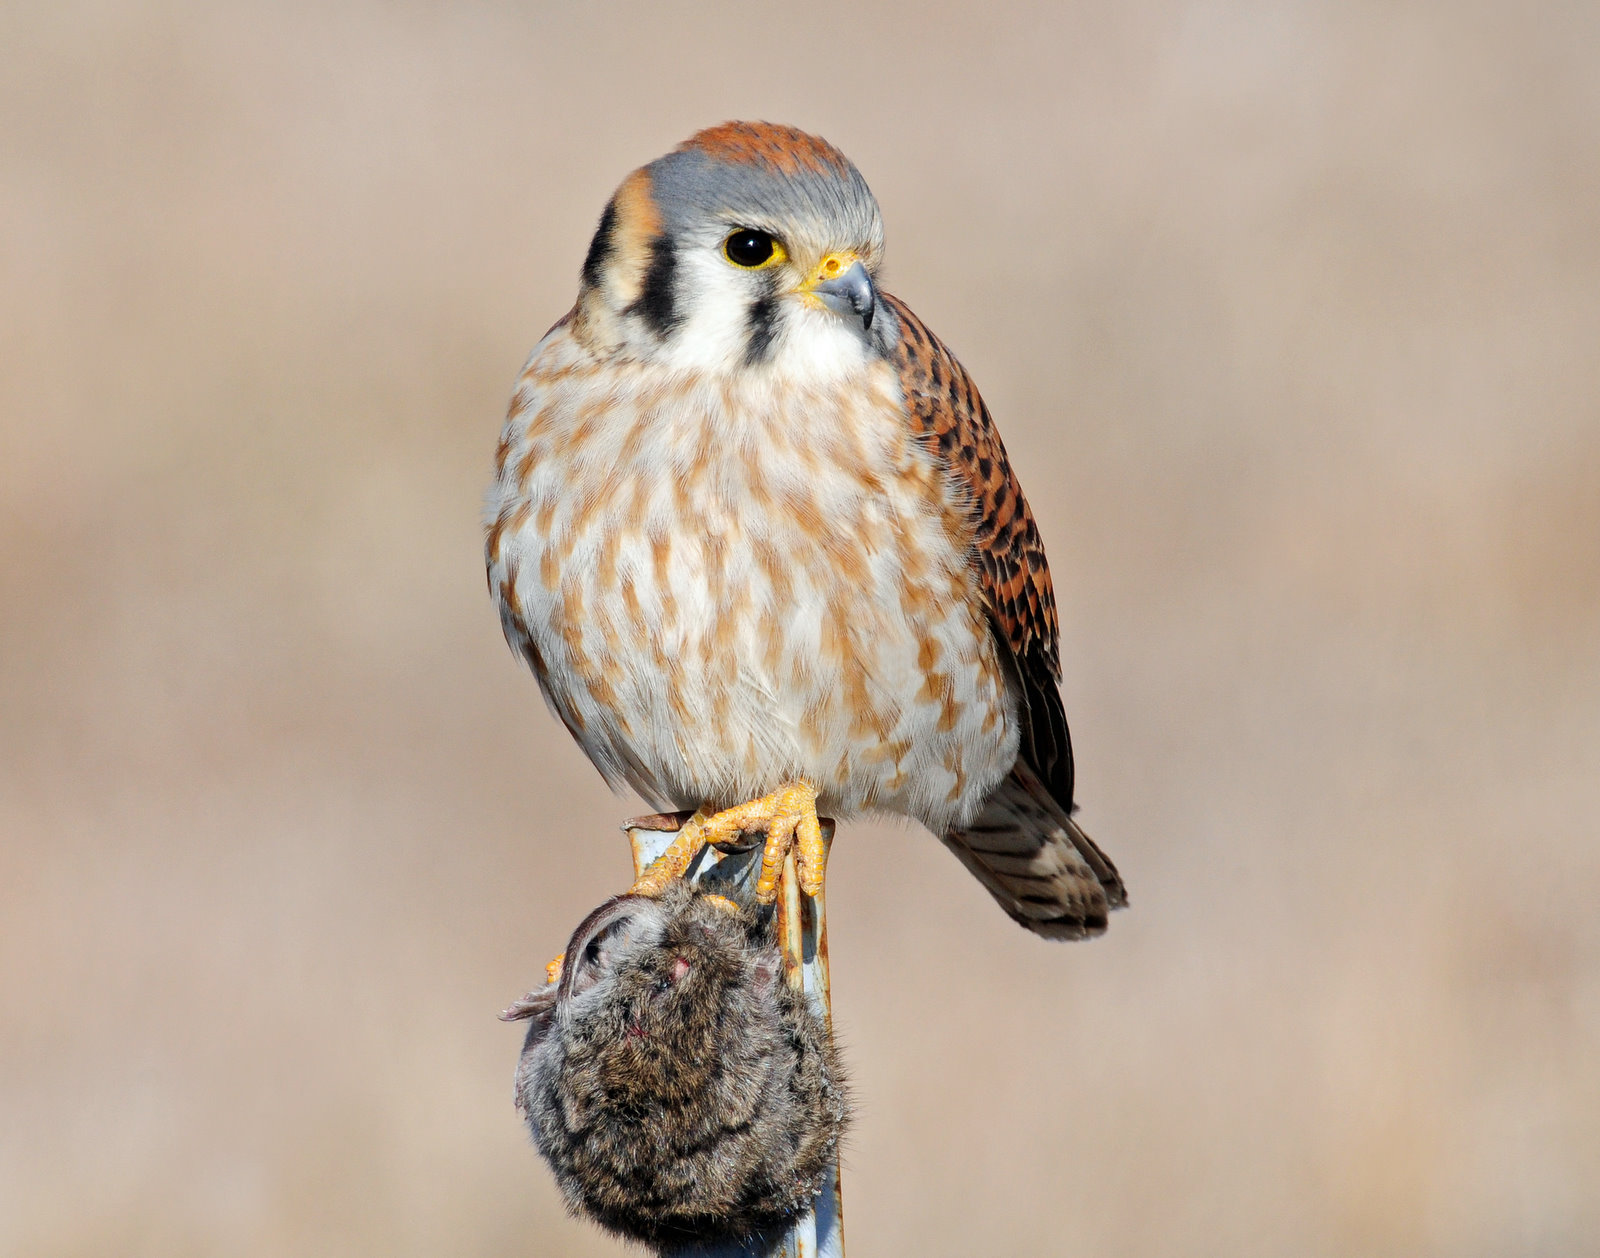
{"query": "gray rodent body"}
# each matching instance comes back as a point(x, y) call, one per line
point(680, 1090)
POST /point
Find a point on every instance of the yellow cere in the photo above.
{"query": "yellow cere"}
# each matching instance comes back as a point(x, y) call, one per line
point(833, 266)
point(830, 268)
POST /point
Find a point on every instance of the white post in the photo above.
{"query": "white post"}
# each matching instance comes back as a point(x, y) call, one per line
point(802, 928)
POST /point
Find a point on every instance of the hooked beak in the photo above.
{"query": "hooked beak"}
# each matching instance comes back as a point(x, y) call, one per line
point(842, 284)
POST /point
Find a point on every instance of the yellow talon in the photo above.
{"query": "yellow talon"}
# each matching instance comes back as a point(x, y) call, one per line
point(788, 815)
point(810, 855)
point(552, 972)
point(673, 863)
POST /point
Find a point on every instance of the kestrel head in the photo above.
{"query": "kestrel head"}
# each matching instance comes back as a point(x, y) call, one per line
point(747, 244)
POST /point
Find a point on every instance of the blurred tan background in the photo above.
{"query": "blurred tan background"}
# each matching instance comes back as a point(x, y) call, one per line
point(1290, 314)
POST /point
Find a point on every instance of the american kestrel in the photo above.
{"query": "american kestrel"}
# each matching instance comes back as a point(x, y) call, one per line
point(755, 533)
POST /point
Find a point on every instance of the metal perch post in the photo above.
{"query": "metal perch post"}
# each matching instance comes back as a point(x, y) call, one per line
point(803, 936)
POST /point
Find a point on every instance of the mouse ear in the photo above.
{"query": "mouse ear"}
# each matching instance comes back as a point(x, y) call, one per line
point(591, 953)
point(530, 1006)
point(538, 1008)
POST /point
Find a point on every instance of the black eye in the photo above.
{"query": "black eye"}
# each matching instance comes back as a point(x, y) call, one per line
point(750, 248)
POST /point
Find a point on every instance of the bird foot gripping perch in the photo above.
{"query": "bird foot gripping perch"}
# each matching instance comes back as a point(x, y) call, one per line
point(789, 817)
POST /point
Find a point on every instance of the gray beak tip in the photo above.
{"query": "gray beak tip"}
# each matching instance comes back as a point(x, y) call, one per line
point(850, 294)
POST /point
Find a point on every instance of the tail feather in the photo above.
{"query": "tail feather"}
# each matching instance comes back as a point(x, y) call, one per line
point(1036, 861)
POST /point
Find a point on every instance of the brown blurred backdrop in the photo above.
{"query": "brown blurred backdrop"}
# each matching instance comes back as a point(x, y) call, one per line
point(1290, 314)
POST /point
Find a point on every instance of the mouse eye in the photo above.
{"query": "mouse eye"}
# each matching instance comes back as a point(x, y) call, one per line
point(752, 250)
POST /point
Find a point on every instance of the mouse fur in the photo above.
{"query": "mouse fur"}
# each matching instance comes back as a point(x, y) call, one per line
point(680, 1090)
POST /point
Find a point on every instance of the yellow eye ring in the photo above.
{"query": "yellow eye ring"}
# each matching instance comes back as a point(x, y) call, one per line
point(751, 249)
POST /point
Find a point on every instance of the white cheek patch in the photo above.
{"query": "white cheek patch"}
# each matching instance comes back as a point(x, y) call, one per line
point(714, 303)
point(714, 327)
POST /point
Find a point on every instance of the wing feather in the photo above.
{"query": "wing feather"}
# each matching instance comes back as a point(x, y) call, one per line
point(948, 413)
point(1024, 846)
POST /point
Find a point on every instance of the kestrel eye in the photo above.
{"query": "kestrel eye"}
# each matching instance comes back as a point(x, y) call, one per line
point(752, 249)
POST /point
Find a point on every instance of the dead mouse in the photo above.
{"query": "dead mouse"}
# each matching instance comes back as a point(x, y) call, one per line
point(680, 1090)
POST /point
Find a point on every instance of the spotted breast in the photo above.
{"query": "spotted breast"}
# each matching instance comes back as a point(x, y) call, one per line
point(724, 581)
